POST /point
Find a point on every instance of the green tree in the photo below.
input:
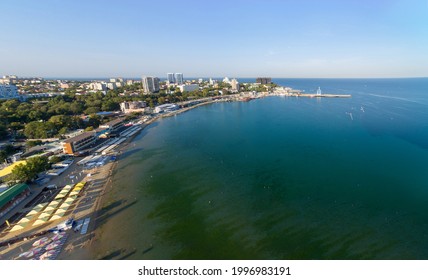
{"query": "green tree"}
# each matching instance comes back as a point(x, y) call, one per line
point(28, 172)
point(31, 144)
point(39, 130)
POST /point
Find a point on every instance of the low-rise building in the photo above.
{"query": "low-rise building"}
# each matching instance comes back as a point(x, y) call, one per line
point(79, 142)
point(191, 87)
point(166, 108)
point(132, 106)
point(113, 125)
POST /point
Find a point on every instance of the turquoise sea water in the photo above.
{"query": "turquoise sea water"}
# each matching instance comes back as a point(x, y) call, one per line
point(280, 178)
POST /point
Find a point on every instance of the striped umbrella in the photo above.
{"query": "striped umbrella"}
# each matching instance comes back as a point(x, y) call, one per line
point(53, 245)
point(47, 254)
point(58, 236)
point(42, 241)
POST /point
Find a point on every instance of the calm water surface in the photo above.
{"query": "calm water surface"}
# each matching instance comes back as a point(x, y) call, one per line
point(279, 178)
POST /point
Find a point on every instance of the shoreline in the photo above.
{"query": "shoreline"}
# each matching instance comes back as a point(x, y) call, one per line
point(88, 248)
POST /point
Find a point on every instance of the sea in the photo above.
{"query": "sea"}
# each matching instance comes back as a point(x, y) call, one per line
point(278, 178)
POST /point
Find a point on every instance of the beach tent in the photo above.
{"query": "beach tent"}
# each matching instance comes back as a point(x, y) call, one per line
point(23, 224)
point(66, 204)
point(15, 228)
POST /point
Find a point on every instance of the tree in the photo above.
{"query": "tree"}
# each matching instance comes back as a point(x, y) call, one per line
point(3, 132)
point(92, 110)
point(28, 172)
point(39, 130)
point(31, 144)
point(54, 159)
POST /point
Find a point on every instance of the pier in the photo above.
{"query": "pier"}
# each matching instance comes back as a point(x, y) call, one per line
point(311, 95)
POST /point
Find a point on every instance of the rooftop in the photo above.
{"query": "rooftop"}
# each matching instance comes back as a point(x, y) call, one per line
point(80, 137)
point(113, 122)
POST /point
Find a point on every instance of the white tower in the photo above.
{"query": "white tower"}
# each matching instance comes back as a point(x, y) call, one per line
point(319, 91)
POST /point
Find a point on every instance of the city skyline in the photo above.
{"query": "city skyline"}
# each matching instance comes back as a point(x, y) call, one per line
point(291, 39)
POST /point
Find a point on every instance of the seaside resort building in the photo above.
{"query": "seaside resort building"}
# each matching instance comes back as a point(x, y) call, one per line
point(79, 142)
point(113, 125)
point(10, 197)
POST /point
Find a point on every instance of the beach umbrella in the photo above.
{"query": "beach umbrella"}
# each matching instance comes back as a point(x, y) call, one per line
point(53, 203)
point(39, 207)
point(32, 212)
point(23, 224)
point(43, 215)
point(42, 241)
point(58, 236)
point(47, 255)
point(53, 245)
point(34, 252)
point(24, 255)
point(24, 220)
point(16, 227)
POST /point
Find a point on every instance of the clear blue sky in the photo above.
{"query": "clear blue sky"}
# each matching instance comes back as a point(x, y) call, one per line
point(234, 38)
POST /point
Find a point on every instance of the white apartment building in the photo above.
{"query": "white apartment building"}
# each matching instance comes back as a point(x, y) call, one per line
point(191, 87)
point(179, 78)
point(150, 84)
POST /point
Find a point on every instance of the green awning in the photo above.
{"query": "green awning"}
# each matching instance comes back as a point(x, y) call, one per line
point(10, 193)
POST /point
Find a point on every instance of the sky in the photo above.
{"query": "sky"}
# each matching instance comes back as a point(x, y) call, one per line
point(234, 38)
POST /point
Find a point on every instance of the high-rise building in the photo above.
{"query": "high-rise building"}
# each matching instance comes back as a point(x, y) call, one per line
point(179, 78)
point(8, 92)
point(235, 84)
point(264, 80)
point(150, 84)
point(170, 78)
